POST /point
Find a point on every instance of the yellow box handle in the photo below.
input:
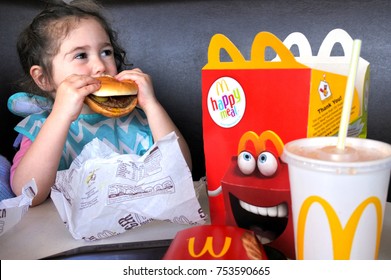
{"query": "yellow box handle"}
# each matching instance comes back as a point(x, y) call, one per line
point(261, 41)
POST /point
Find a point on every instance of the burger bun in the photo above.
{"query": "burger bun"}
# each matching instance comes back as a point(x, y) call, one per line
point(112, 87)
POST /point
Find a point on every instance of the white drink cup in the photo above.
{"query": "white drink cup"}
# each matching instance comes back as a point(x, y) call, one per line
point(338, 200)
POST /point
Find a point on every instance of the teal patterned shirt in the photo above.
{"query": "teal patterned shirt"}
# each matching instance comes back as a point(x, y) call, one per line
point(130, 134)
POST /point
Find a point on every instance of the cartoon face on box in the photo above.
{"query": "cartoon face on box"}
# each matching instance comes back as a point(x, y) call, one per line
point(257, 193)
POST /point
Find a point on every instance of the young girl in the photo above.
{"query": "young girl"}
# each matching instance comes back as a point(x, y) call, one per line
point(62, 52)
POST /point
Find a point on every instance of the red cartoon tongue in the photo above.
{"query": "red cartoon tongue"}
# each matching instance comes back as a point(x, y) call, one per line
point(264, 237)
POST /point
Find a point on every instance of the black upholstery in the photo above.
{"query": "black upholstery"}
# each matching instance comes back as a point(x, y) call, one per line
point(169, 40)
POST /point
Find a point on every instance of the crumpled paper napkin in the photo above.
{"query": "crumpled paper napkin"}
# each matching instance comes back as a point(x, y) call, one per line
point(104, 193)
point(13, 209)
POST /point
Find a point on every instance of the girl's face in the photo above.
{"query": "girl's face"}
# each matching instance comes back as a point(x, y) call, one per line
point(85, 51)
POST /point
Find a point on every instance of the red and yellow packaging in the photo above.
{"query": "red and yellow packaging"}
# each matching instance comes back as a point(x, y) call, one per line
point(212, 242)
point(250, 109)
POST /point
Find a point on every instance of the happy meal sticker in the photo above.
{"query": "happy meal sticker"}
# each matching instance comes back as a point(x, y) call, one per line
point(226, 102)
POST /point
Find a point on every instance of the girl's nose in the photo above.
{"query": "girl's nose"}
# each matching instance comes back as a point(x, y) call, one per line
point(99, 67)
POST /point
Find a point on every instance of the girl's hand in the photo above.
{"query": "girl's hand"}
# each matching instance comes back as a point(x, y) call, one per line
point(158, 119)
point(70, 94)
point(146, 95)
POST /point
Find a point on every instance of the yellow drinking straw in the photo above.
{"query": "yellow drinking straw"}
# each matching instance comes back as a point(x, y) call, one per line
point(349, 91)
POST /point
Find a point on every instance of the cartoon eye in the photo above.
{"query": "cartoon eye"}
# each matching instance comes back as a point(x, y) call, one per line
point(246, 163)
point(267, 164)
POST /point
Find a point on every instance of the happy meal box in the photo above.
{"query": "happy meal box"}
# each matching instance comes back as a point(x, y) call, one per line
point(251, 108)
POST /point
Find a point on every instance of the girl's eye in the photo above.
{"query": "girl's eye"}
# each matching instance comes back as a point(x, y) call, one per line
point(267, 164)
point(81, 56)
point(246, 163)
point(107, 52)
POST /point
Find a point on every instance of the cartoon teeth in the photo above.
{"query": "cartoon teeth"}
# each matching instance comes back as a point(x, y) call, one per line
point(280, 211)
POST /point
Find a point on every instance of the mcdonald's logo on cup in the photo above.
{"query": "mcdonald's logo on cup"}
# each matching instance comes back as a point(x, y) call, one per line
point(341, 237)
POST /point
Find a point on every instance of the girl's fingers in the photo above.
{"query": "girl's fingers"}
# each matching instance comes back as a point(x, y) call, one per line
point(133, 74)
point(83, 85)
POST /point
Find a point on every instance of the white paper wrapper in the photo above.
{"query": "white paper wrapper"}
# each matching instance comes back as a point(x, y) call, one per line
point(13, 209)
point(104, 193)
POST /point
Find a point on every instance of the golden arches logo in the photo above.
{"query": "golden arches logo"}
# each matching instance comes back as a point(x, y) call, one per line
point(342, 238)
point(208, 247)
point(221, 86)
point(259, 141)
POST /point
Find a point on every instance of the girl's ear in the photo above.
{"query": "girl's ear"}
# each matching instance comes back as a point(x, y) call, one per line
point(40, 78)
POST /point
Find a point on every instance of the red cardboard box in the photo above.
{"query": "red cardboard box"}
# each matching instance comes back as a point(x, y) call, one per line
point(250, 109)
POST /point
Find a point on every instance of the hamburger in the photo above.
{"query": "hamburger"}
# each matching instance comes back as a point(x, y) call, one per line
point(114, 98)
